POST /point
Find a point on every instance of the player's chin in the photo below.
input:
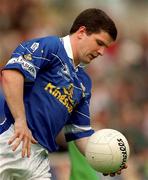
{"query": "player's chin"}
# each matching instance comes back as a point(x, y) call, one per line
point(88, 60)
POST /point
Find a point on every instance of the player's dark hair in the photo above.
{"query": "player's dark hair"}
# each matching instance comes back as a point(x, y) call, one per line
point(95, 20)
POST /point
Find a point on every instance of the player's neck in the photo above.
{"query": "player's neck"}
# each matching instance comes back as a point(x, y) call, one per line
point(74, 50)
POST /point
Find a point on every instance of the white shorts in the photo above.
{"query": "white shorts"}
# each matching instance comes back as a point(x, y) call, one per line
point(14, 167)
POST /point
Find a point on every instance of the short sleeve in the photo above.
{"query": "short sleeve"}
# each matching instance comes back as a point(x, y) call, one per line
point(79, 123)
point(31, 56)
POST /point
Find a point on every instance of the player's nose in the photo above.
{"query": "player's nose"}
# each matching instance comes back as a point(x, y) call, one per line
point(101, 51)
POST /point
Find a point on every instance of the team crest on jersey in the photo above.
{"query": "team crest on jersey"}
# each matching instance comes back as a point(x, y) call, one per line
point(64, 72)
point(34, 46)
point(28, 57)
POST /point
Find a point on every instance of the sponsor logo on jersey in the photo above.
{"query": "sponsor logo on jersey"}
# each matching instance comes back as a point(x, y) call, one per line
point(29, 67)
point(28, 57)
point(34, 46)
point(64, 95)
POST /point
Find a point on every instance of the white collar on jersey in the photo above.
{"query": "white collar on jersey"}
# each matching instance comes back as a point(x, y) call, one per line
point(67, 46)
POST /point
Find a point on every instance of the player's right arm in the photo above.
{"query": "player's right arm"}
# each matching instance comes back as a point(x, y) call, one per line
point(25, 63)
point(12, 84)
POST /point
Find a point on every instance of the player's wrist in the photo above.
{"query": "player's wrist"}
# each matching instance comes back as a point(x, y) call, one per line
point(21, 121)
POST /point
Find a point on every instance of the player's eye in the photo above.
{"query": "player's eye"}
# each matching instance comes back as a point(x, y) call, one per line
point(100, 43)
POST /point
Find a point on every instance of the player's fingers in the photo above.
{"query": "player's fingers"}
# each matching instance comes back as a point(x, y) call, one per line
point(16, 143)
point(12, 139)
point(125, 166)
point(112, 174)
point(119, 172)
point(29, 149)
point(24, 147)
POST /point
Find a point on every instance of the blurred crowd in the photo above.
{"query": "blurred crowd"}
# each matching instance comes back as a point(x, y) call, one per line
point(120, 96)
point(120, 77)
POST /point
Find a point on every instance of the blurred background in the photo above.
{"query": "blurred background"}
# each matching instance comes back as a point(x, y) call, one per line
point(120, 77)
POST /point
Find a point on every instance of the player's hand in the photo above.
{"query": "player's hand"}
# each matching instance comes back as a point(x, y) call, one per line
point(116, 173)
point(22, 134)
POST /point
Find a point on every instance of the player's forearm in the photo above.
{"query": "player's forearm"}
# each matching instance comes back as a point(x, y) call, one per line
point(81, 144)
point(13, 83)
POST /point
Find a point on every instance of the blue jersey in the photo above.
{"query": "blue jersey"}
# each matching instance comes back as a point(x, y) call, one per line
point(2, 114)
point(56, 94)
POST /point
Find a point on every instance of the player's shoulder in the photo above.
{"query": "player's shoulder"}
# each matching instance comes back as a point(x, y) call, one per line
point(45, 39)
point(84, 77)
point(49, 39)
point(47, 42)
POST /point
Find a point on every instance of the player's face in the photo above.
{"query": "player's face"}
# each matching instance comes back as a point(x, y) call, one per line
point(92, 46)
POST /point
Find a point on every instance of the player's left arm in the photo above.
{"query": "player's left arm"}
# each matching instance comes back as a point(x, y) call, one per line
point(81, 145)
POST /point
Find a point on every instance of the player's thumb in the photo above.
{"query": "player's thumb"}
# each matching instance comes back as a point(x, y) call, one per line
point(33, 140)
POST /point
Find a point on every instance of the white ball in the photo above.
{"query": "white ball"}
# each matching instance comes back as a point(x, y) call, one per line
point(107, 150)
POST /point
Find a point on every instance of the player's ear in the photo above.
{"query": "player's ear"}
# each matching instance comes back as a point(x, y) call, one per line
point(81, 32)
